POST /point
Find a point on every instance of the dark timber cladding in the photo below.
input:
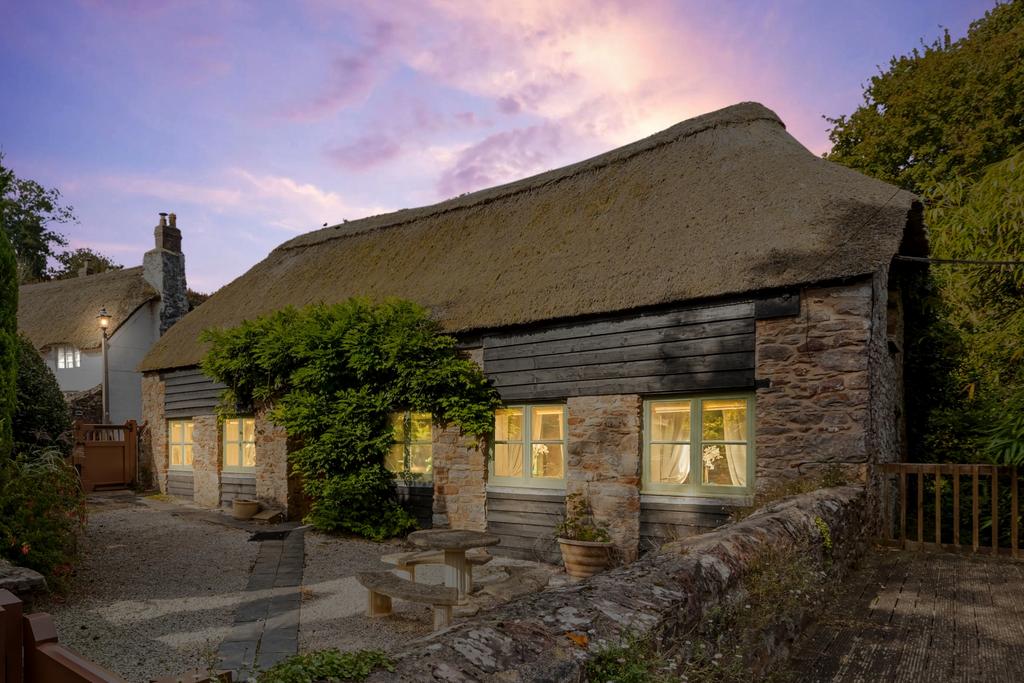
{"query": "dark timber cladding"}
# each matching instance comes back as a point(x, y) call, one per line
point(662, 522)
point(189, 392)
point(526, 524)
point(679, 350)
point(418, 501)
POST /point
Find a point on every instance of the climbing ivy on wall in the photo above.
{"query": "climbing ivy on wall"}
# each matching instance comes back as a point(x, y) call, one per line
point(331, 375)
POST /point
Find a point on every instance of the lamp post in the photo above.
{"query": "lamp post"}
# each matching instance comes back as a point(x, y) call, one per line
point(104, 320)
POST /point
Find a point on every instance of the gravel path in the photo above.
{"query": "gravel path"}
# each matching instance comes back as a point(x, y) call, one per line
point(155, 592)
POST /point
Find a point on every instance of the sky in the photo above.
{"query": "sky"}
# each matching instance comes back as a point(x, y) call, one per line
point(256, 121)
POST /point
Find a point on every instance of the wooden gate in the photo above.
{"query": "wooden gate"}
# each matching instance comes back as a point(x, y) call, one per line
point(951, 507)
point(106, 456)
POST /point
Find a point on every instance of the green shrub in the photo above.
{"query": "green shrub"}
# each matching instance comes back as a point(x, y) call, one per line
point(42, 507)
point(8, 342)
point(331, 666)
point(333, 375)
point(41, 413)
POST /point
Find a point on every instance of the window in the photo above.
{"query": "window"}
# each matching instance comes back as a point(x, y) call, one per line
point(412, 446)
point(529, 446)
point(179, 444)
point(239, 443)
point(699, 445)
point(68, 357)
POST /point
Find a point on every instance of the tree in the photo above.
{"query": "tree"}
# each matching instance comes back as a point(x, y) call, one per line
point(195, 299)
point(26, 211)
point(944, 111)
point(71, 262)
point(41, 417)
point(8, 343)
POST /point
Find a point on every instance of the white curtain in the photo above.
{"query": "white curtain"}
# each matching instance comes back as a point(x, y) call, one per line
point(678, 466)
point(735, 423)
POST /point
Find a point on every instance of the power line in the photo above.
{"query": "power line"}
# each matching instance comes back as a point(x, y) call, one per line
point(954, 261)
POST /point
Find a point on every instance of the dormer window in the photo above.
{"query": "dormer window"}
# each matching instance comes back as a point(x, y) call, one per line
point(68, 357)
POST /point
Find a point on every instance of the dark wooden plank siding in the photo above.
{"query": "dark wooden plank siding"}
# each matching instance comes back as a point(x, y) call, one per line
point(418, 501)
point(180, 484)
point(526, 523)
point(681, 350)
point(664, 522)
point(237, 486)
point(189, 392)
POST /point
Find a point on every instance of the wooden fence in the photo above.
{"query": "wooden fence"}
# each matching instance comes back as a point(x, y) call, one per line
point(973, 508)
point(106, 455)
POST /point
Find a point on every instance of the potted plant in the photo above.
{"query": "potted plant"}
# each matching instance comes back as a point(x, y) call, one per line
point(585, 545)
point(244, 508)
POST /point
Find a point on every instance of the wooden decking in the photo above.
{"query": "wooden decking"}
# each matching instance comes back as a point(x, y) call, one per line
point(921, 617)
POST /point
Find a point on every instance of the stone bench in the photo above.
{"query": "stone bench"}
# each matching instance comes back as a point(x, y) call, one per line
point(407, 562)
point(384, 585)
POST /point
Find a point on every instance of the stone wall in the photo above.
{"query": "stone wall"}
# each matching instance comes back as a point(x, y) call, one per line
point(663, 596)
point(206, 460)
point(816, 411)
point(86, 406)
point(603, 462)
point(154, 437)
point(272, 480)
point(460, 481)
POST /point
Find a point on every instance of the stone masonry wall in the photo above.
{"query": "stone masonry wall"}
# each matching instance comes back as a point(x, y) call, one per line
point(154, 447)
point(661, 596)
point(271, 462)
point(206, 460)
point(603, 462)
point(460, 481)
point(816, 410)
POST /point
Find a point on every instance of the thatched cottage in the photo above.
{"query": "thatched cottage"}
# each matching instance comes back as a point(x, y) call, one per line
point(672, 325)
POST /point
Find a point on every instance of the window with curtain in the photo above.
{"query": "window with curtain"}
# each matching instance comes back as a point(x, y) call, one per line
point(412, 446)
point(240, 444)
point(529, 446)
point(699, 445)
point(68, 357)
point(179, 444)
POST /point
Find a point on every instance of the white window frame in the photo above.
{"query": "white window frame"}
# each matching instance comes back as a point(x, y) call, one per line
point(239, 439)
point(695, 486)
point(68, 357)
point(184, 444)
point(527, 480)
point(406, 442)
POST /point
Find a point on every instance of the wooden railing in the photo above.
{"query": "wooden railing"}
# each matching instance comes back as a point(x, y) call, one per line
point(951, 506)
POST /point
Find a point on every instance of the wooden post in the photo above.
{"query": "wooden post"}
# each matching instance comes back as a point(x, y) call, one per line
point(938, 506)
point(11, 643)
point(49, 661)
point(956, 505)
point(379, 605)
point(1014, 529)
point(903, 508)
point(975, 512)
point(920, 506)
point(995, 510)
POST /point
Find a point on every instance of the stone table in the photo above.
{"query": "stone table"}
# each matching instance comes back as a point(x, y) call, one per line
point(454, 543)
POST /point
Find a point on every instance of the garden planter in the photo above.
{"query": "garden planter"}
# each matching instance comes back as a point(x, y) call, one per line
point(585, 558)
point(243, 508)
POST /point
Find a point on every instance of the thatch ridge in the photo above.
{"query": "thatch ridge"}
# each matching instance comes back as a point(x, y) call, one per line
point(64, 311)
point(721, 205)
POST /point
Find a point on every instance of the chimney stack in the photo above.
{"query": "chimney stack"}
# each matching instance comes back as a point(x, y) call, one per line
point(164, 269)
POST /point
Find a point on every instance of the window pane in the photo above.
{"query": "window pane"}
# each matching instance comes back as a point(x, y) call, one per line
point(724, 465)
point(231, 458)
point(175, 455)
point(725, 420)
point(546, 423)
point(395, 460)
point(78, 358)
point(508, 460)
point(231, 430)
point(547, 461)
point(397, 427)
point(188, 431)
point(420, 458)
point(176, 432)
point(248, 429)
point(249, 455)
point(187, 452)
point(508, 424)
point(420, 427)
point(670, 421)
point(670, 464)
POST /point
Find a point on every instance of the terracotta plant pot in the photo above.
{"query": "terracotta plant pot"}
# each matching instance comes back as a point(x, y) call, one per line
point(244, 508)
point(585, 558)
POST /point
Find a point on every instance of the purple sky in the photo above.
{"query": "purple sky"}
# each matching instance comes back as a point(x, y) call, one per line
point(255, 121)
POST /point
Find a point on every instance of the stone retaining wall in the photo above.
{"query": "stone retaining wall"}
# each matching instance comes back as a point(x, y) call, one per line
point(663, 595)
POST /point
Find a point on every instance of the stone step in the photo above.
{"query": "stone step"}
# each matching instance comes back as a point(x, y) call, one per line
point(269, 516)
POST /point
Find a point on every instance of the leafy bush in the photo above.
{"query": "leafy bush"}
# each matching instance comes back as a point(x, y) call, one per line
point(8, 341)
point(42, 507)
point(40, 414)
point(327, 665)
point(333, 374)
point(579, 524)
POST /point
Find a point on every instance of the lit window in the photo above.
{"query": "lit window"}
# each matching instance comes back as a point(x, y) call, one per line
point(699, 445)
point(68, 357)
point(412, 446)
point(239, 443)
point(529, 446)
point(179, 444)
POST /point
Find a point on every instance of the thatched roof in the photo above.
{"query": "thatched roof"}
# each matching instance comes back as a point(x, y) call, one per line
point(64, 311)
point(722, 204)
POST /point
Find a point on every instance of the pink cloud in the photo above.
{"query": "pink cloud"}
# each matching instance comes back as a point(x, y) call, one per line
point(501, 158)
point(365, 152)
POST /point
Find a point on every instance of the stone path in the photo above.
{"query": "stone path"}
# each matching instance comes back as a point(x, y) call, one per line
point(921, 617)
point(266, 627)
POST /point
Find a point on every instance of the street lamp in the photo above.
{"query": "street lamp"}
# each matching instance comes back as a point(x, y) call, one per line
point(104, 321)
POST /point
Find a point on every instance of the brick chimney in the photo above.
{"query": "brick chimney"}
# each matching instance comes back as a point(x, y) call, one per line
point(164, 269)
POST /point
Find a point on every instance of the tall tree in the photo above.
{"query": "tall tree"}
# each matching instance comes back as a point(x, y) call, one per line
point(27, 209)
point(8, 343)
point(944, 111)
point(70, 263)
